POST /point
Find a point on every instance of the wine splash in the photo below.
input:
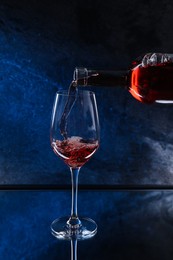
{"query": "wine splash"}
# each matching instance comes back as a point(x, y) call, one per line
point(75, 151)
point(71, 98)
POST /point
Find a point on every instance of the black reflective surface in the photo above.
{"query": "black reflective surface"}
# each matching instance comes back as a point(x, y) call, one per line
point(131, 224)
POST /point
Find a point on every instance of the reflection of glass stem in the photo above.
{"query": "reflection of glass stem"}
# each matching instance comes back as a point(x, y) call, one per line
point(73, 249)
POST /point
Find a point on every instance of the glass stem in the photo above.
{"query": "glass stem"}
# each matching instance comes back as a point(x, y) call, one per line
point(74, 221)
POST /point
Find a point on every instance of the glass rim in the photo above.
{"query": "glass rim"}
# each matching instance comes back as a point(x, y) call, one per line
point(65, 92)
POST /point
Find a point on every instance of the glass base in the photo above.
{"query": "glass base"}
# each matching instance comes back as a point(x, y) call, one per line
point(61, 230)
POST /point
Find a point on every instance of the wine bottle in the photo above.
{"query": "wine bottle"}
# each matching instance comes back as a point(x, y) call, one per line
point(149, 78)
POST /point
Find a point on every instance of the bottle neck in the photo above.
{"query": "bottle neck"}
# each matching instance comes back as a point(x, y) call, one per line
point(88, 77)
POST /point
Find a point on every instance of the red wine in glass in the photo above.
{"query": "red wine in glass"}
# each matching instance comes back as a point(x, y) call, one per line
point(75, 151)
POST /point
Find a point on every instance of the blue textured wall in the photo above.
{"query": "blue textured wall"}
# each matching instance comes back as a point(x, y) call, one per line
point(41, 42)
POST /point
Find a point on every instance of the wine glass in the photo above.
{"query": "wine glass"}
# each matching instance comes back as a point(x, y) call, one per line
point(74, 138)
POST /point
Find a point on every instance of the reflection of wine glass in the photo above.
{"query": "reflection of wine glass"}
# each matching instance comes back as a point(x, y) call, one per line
point(75, 147)
point(74, 249)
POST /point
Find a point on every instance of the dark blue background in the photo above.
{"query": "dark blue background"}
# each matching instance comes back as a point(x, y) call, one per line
point(41, 42)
